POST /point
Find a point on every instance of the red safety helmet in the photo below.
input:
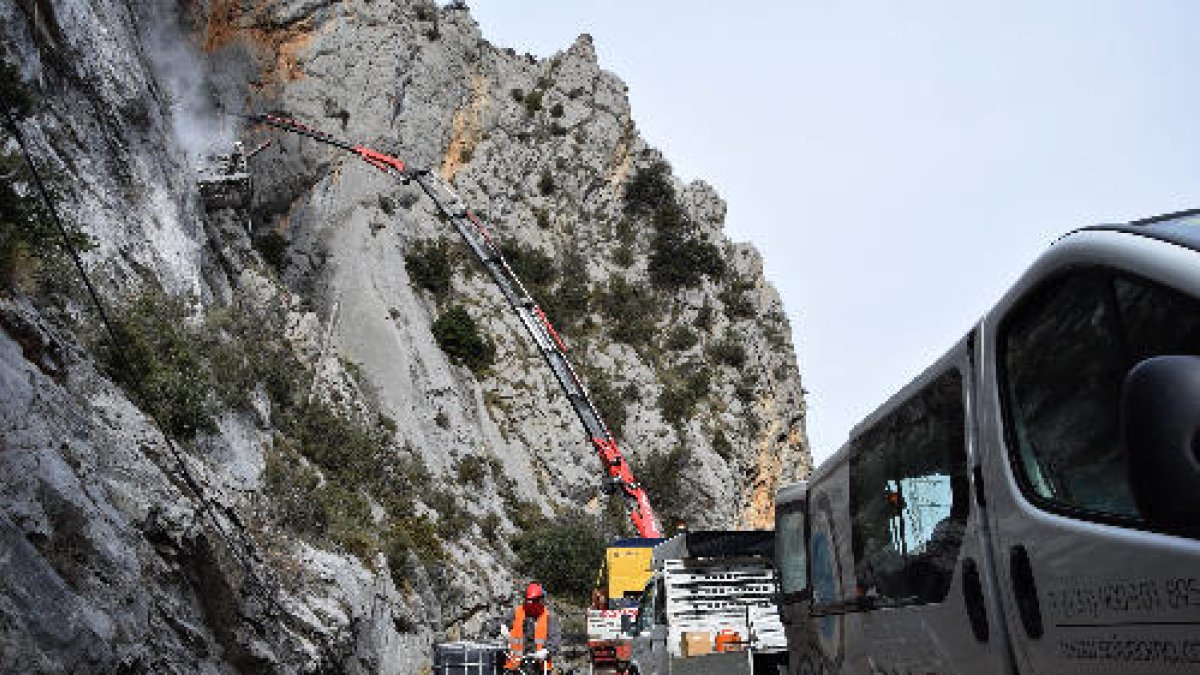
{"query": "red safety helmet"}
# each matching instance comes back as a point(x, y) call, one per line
point(534, 592)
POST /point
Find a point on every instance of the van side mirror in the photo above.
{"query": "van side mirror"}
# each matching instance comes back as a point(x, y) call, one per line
point(1160, 422)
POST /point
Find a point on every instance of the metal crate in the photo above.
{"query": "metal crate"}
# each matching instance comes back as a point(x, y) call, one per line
point(467, 658)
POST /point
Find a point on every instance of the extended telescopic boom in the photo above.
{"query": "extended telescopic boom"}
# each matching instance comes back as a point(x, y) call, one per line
point(548, 342)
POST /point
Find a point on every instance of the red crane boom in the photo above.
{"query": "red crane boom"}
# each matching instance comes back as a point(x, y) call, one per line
point(618, 474)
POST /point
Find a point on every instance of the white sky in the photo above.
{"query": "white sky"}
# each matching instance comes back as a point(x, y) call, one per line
point(898, 163)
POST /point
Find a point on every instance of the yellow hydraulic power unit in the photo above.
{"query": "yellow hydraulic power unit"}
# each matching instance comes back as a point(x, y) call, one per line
point(629, 563)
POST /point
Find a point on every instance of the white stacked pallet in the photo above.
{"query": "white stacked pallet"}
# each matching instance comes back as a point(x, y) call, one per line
point(766, 630)
point(720, 594)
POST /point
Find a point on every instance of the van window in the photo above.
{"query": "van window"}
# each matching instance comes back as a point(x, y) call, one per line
point(1064, 355)
point(792, 556)
point(909, 496)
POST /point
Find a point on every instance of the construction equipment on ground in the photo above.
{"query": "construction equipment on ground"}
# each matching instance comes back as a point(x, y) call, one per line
point(710, 607)
point(613, 612)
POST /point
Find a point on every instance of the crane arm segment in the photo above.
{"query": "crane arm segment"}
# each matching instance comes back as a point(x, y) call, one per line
point(549, 343)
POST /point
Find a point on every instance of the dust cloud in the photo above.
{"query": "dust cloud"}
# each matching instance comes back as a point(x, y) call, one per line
point(195, 116)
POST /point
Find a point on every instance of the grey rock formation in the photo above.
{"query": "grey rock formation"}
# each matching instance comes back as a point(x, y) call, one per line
point(111, 559)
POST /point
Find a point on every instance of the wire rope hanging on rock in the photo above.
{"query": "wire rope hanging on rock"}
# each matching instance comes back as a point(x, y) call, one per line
point(242, 548)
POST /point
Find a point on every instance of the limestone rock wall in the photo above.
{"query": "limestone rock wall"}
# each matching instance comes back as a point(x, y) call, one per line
point(115, 562)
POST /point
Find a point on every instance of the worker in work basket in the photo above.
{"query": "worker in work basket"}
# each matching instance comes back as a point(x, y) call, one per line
point(534, 637)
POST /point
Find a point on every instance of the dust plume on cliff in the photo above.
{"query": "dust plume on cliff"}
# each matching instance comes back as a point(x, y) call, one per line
point(196, 121)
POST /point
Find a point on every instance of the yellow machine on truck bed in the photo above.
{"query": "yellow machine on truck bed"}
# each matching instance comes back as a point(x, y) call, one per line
point(628, 564)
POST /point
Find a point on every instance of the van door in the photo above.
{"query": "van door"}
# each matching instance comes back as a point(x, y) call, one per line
point(791, 562)
point(1091, 581)
point(915, 536)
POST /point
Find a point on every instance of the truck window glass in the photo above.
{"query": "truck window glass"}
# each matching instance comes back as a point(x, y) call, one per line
point(1065, 353)
point(660, 604)
point(645, 617)
point(793, 559)
point(909, 497)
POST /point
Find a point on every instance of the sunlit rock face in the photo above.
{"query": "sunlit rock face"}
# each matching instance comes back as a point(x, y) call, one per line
point(114, 559)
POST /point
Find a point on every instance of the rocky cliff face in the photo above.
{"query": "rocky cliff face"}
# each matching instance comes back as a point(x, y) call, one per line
point(346, 475)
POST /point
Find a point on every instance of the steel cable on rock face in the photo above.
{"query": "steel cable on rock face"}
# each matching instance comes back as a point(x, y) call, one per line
point(189, 479)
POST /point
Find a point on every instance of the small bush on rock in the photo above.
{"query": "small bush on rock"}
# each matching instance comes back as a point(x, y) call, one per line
point(680, 260)
point(662, 473)
point(158, 359)
point(563, 553)
point(631, 310)
point(681, 338)
point(649, 190)
point(736, 299)
point(728, 352)
point(428, 265)
point(533, 101)
point(471, 470)
point(458, 335)
point(535, 269)
point(683, 389)
point(611, 403)
point(411, 539)
point(546, 183)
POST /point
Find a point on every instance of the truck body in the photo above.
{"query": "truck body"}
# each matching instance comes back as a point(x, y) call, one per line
point(1031, 502)
point(709, 606)
point(613, 614)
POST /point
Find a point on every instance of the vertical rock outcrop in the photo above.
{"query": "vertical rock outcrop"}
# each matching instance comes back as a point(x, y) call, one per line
point(353, 497)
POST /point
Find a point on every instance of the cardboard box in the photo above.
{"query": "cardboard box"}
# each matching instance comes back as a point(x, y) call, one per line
point(695, 643)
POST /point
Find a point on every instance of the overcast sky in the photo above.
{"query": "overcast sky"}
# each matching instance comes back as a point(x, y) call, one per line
point(898, 163)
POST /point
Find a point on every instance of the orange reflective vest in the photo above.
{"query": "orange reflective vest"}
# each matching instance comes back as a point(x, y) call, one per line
point(516, 636)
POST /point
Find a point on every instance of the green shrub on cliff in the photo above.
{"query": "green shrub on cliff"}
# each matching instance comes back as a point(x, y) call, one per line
point(458, 335)
point(428, 265)
point(563, 553)
point(679, 256)
point(649, 190)
point(159, 360)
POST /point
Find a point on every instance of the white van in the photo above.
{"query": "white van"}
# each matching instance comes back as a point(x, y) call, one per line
point(1031, 503)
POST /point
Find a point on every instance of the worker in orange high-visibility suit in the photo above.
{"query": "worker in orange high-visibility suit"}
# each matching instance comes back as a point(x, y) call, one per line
point(532, 629)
